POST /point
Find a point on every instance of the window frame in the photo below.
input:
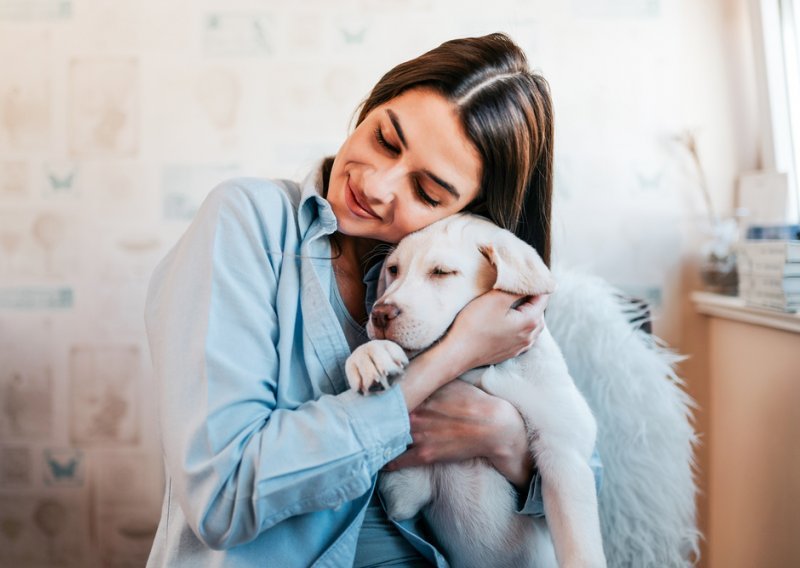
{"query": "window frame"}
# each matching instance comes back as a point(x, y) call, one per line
point(776, 39)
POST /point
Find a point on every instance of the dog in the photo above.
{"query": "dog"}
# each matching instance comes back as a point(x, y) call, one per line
point(470, 507)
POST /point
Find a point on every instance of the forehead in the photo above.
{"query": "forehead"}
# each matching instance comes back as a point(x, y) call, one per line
point(442, 248)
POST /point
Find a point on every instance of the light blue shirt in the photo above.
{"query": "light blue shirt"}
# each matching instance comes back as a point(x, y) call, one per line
point(270, 459)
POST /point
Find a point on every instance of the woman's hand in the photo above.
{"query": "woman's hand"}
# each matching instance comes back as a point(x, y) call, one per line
point(494, 327)
point(460, 421)
point(514, 324)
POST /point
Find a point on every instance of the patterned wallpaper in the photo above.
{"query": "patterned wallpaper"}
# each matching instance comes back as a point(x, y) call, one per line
point(118, 116)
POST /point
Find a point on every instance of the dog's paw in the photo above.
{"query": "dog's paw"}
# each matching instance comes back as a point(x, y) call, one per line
point(406, 491)
point(401, 508)
point(370, 367)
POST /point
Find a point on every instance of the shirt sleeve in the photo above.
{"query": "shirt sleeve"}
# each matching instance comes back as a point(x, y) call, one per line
point(238, 464)
point(534, 503)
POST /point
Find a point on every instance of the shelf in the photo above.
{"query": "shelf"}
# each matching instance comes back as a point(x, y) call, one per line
point(734, 308)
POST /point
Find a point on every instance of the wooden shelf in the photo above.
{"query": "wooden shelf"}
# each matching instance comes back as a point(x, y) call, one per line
point(734, 308)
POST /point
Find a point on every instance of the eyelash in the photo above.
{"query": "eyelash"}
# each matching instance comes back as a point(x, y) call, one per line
point(382, 141)
point(427, 199)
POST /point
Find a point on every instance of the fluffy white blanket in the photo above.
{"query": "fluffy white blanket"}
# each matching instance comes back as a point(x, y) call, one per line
point(645, 436)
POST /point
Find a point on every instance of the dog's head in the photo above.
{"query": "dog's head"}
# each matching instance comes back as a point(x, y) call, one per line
point(435, 272)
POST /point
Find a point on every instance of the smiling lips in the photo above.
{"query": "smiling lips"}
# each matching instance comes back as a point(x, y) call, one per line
point(357, 205)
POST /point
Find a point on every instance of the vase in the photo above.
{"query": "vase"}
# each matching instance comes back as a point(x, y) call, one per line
point(719, 274)
point(718, 257)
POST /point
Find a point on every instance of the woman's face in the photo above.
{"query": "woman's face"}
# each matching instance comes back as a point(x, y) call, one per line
point(408, 164)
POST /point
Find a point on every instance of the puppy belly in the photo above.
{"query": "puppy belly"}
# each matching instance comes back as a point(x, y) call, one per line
point(473, 518)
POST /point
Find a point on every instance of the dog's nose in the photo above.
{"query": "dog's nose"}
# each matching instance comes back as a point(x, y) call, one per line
point(382, 314)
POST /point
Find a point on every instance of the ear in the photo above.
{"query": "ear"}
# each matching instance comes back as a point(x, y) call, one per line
point(520, 269)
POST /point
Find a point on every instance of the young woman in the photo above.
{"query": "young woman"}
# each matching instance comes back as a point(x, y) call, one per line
point(270, 459)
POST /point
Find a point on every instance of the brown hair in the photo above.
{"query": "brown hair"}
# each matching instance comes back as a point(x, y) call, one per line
point(507, 113)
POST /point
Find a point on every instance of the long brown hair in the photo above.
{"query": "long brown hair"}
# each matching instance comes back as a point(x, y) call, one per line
point(507, 113)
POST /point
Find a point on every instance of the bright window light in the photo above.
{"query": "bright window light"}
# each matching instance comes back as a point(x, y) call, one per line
point(777, 36)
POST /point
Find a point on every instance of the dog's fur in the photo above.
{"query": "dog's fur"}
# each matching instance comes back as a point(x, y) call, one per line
point(469, 505)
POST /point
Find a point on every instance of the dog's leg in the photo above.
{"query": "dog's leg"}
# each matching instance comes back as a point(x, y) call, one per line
point(562, 431)
point(372, 366)
point(406, 491)
point(473, 518)
point(570, 505)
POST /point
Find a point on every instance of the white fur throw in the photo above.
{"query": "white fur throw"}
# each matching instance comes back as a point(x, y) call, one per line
point(645, 436)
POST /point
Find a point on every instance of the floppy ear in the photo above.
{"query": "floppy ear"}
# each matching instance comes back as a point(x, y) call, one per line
point(520, 269)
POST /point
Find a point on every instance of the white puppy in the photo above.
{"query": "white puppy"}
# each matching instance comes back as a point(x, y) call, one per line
point(470, 507)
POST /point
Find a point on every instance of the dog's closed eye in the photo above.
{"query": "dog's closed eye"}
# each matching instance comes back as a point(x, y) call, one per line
point(440, 272)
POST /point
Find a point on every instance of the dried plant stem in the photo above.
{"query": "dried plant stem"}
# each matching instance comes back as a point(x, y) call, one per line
point(688, 139)
point(704, 187)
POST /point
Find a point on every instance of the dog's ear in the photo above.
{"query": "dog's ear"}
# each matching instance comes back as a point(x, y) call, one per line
point(520, 269)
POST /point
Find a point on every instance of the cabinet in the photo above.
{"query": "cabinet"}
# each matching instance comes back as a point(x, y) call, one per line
point(753, 438)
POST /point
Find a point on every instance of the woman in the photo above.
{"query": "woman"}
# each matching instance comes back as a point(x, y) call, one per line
point(270, 460)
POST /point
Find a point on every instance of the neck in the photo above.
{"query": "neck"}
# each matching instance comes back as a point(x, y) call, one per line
point(351, 253)
point(349, 266)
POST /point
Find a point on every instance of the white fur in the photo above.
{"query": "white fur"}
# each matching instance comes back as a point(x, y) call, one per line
point(645, 436)
point(470, 506)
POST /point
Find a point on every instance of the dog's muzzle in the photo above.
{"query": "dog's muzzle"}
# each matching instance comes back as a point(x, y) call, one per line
point(382, 314)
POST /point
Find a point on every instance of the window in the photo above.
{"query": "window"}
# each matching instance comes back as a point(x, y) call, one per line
point(776, 29)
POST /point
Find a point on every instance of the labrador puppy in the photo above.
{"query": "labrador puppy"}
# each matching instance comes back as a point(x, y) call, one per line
point(470, 507)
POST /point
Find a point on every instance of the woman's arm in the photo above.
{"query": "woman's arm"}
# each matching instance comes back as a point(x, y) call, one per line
point(460, 421)
point(453, 421)
point(470, 343)
point(239, 459)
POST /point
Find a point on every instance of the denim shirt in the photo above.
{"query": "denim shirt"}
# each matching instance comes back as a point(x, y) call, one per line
point(270, 459)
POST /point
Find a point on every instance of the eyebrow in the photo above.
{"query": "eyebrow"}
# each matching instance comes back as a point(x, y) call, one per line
point(447, 186)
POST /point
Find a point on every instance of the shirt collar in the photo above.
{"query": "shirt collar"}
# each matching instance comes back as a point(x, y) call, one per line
point(312, 205)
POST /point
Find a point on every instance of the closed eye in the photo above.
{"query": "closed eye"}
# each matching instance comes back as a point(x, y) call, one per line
point(382, 141)
point(418, 189)
point(440, 272)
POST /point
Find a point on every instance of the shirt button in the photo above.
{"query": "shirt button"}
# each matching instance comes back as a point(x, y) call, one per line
point(387, 454)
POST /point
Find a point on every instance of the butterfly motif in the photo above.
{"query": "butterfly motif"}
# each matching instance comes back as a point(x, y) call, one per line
point(354, 37)
point(63, 470)
point(650, 182)
point(63, 183)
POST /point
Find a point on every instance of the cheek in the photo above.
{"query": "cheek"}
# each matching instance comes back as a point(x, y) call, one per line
point(400, 226)
point(443, 299)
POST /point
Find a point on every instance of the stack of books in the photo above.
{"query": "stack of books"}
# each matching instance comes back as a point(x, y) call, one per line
point(769, 273)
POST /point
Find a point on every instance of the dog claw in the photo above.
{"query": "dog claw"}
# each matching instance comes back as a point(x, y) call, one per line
point(372, 367)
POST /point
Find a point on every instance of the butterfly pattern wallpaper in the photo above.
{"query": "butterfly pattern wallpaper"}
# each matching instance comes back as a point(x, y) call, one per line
point(117, 119)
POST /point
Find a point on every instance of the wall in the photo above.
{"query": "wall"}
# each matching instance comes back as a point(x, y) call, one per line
point(117, 117)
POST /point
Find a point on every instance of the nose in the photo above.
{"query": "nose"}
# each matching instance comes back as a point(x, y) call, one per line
point(383, 182)
point(383, 313)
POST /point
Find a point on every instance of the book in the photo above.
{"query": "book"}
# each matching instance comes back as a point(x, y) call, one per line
point(767, 269)
point(760, 232)
point(750, 281)
point(768, 252)
point(772, 298)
